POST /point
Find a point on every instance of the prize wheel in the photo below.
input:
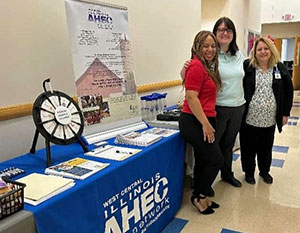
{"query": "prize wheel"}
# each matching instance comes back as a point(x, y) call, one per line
point(58, 117)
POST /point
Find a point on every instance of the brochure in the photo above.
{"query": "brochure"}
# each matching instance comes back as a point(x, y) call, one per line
point(164, 124)
point(113, 152)
point(77, 168)
point(161, 131)
point(137, 139)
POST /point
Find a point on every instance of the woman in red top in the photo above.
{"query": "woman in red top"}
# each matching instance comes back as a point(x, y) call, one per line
point(197, 120)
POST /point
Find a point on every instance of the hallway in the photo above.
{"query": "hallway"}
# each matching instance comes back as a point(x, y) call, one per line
point(259, 208)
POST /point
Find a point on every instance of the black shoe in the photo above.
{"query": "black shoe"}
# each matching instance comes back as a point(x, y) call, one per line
point(267, 178)
point(250, 179)
point(211, 193)
point(234, 182)
point(207, 211)
point(214, 205)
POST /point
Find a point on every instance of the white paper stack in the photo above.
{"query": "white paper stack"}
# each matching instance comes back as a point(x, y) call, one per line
point(113, 152)
point(40, 187)
point(137, 139)
point(161, 131)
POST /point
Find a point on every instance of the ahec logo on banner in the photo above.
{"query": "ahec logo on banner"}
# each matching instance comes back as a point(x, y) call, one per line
point(137, 206)
point(102, 63)
point(103, 19)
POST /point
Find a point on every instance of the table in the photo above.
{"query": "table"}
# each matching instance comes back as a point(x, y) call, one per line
point(139, 194)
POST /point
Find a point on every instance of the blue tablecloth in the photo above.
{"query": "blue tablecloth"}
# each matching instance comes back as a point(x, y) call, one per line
point(139, 194)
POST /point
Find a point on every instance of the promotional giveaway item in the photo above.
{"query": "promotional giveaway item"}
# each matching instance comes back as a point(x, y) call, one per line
point(58, 118)
point(76, 168)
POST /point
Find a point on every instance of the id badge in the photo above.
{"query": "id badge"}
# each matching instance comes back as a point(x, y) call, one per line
point(277, 74)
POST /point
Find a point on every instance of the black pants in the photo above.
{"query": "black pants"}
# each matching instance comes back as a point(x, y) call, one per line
point(256, 141)
point(228, 125)
point(208, 157)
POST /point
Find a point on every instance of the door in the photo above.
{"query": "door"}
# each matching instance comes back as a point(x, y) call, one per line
point(278, 44)
point(296, 66)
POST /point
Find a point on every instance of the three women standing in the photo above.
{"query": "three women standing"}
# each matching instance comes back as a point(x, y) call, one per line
point(262, 82)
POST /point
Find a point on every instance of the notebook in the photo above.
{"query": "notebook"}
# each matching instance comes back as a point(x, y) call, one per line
point(41, 187)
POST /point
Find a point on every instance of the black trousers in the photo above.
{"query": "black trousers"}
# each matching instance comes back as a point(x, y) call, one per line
point(228, 125)
point(208, 157)
point(256, 141)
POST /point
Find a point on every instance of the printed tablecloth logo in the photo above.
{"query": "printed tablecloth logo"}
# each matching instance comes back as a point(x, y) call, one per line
point(138, 206)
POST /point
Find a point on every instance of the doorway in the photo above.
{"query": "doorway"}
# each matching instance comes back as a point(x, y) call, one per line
point(289, 49)
point(287, 53)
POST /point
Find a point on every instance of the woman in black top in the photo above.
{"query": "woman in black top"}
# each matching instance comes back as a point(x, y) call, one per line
point(268, 93)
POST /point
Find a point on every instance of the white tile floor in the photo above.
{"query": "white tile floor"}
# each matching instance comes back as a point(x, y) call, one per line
point(259, 208)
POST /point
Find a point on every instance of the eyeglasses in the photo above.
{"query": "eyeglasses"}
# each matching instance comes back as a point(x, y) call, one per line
point(223, 30)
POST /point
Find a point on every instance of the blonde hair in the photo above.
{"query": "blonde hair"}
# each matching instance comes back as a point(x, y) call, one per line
point(275, 57)
point(210, 66)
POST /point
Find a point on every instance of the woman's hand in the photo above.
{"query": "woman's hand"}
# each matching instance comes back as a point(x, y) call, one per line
point(196, 108)
point(208, 133)
point(185, 66)
point(284, 120)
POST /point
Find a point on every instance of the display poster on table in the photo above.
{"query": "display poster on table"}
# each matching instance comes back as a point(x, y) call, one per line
point(102, 63)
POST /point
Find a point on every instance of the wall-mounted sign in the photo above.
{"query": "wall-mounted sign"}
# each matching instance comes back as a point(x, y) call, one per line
point(287, 17)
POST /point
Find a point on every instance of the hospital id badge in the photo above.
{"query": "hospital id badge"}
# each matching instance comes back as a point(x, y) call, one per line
point(277, 74)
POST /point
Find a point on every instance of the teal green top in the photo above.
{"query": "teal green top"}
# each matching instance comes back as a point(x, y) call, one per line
point(232, 73)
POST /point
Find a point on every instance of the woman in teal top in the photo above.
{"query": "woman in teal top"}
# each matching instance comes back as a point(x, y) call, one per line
point(230, 99)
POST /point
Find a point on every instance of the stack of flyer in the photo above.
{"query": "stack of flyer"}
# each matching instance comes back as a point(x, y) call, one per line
point(41, 187)
point(113, 152)
point(77, 168)
point(161, 131)
point(137, 139)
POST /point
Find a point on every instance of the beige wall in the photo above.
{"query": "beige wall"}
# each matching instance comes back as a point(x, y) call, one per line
point(281, 30)
point(238, 15)
point(212, 10)
point(254, 11)
point(274, 9)
point(245, 15)
point(162, 34)
point(34, 45)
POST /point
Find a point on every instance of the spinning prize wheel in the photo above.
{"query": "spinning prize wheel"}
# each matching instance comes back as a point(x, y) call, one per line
point(58, 118)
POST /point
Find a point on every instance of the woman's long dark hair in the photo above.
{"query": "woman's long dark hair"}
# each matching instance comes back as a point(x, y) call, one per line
point(233, 48)
point(210, 66)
